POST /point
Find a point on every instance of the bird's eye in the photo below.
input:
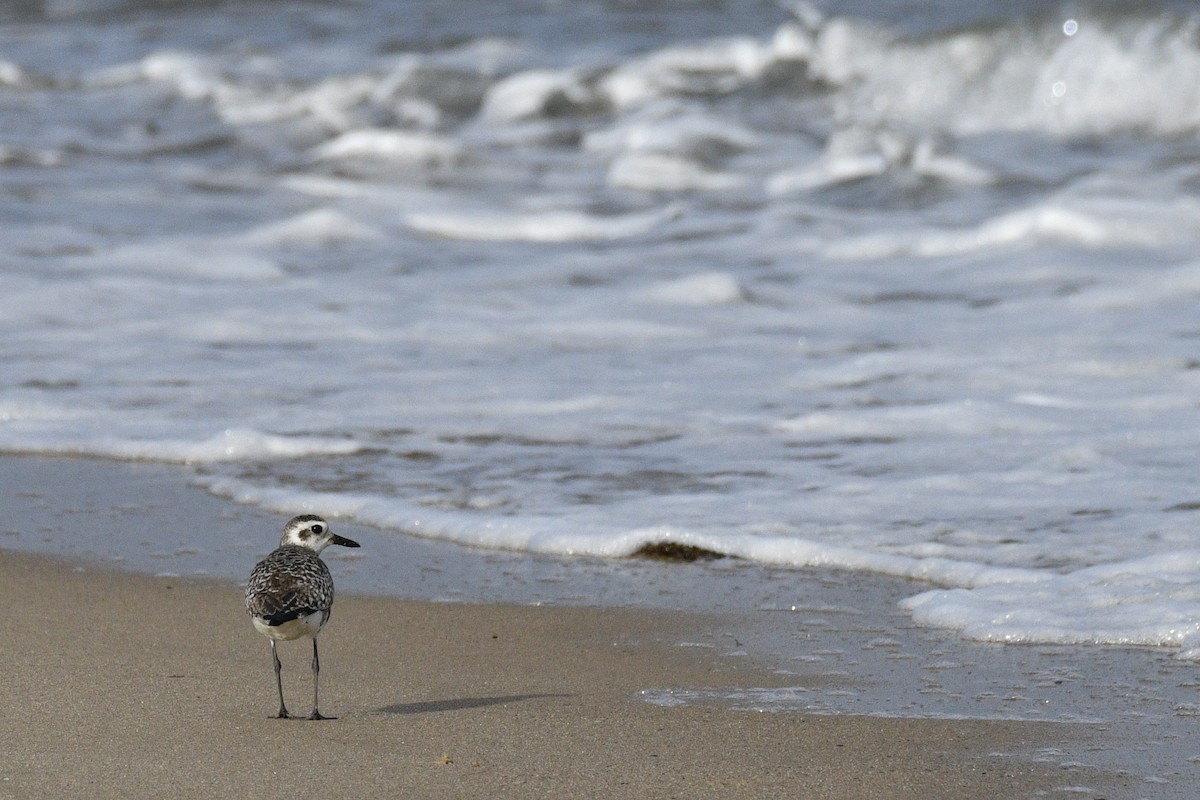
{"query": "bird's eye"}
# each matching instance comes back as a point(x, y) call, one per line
point(318, 529)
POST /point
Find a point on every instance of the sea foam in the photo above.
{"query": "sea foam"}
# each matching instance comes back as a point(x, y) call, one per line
point(905, 296)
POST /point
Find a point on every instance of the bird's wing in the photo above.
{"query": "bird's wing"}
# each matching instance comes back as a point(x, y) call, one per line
point(278, 593)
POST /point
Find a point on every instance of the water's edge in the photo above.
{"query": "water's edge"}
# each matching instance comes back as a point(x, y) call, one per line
point(838, 640)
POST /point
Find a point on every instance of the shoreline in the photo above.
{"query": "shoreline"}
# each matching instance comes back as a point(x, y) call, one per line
point(818, 650)
point(161, 683)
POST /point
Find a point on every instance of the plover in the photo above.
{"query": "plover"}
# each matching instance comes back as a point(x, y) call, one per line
point(290, 592)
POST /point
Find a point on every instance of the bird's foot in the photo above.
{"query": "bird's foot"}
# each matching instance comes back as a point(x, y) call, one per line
point(318, 715)
point(283, 714)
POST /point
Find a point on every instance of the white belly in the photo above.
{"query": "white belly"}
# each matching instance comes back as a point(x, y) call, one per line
point(292, 629)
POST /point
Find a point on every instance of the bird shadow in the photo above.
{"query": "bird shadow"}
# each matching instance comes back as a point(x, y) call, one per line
point(461, 703)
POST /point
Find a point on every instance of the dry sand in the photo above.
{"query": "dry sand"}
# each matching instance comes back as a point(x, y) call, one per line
point(127, 686)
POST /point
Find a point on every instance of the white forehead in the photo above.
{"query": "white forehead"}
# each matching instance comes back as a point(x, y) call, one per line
point(307, 522)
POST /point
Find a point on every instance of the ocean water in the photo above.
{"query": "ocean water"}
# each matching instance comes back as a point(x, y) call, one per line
point(902, 288)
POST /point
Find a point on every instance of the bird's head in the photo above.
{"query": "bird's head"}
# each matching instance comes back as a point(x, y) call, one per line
point(311, 531)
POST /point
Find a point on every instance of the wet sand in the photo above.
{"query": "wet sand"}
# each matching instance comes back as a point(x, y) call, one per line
point(130, 686)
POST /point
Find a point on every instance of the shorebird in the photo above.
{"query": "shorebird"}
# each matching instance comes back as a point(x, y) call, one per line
point(290, 592)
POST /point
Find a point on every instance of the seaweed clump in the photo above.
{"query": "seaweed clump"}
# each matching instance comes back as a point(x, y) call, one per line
point(674, 551)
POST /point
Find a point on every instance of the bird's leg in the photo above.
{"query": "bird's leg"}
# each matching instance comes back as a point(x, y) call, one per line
point(316, 667)
point(283, 712)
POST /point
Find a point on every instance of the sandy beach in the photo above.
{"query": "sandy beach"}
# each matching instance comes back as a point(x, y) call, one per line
point(129, 686)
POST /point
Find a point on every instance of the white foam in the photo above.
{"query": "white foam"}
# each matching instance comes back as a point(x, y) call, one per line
point(704, 289)
point(394, 145)
point(191, 73)
point(854, 154)
point(11, 74)
point(577, 536)
point(719, 65)
point(319, 227)
point(1001, 79)
point(654, 172)
point(1150, 601)
point(234, 444)
point(332, 187)
point(925, 420)
point(537, 226)
point(1044, 223)
point(237, 444)
point(530, 93)
point(670, 127)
